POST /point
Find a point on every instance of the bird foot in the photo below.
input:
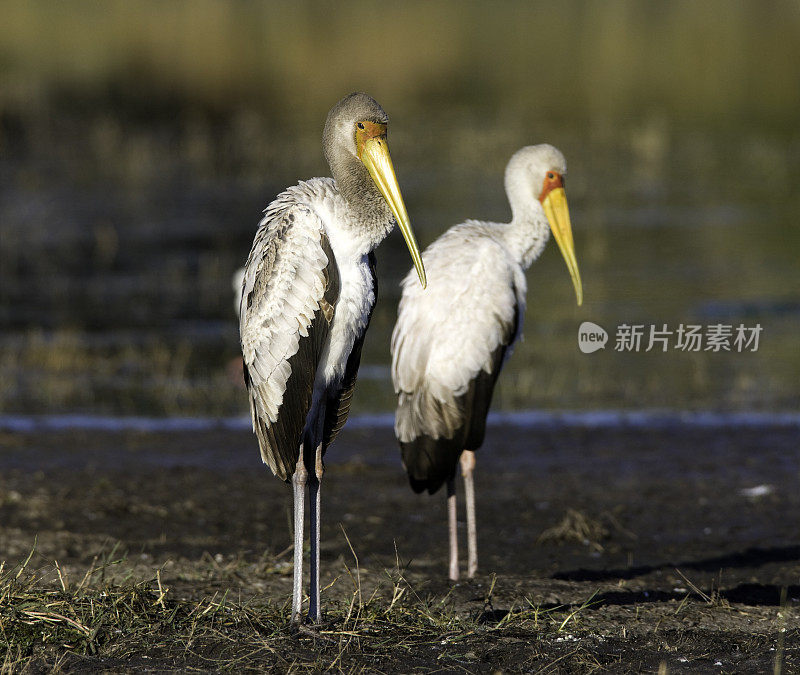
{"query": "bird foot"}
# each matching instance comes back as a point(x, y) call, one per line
point(311, 630)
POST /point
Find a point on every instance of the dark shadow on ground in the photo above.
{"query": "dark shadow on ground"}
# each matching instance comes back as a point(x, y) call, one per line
point(751, 557)
point(761, 595)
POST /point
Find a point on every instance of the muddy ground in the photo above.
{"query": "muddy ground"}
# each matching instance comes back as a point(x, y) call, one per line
point(664, 550)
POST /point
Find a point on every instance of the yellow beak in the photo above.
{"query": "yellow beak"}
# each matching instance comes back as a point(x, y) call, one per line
point(375, 156)
point(555, 208)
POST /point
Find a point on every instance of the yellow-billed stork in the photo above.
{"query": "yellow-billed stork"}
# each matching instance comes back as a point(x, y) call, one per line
point(449, 343)
point(308, 291)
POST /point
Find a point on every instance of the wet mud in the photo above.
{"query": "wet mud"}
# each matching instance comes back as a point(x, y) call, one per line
point(672, 548)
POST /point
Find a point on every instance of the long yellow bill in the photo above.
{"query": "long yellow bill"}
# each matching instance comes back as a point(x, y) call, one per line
point(555, 208)
point(375, 156)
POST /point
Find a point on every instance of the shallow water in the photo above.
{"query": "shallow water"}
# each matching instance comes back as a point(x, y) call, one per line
point(519, 419)
point(132, 176)
point(117, 298)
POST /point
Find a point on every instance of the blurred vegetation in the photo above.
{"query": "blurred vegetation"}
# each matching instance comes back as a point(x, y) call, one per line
point(140, 141)
point(712, 61)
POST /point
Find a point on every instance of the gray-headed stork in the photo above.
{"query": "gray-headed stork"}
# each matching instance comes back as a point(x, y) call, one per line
point(308, 291)
point(449, 343)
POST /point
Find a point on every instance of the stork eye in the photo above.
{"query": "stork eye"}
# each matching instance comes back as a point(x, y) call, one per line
point(551, 175)
point(360, 126)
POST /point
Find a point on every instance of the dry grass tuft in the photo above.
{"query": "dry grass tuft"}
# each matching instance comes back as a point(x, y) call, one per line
point(579, 527)
point(48, 622)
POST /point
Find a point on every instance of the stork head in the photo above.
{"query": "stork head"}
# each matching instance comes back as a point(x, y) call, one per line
point(355, 139)
point(535, 179)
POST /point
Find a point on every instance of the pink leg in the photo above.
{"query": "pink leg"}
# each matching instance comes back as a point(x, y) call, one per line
point(452, 523)
point(467, 468)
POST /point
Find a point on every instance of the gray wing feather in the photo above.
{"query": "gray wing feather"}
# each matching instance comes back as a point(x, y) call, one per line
point(291, 285)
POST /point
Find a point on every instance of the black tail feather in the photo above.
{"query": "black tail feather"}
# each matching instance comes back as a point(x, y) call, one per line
point(430, 462)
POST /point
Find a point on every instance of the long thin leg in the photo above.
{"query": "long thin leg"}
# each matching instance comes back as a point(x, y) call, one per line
point(467, 467)
point(299, 479)
point(452, 523)
point(315, 508)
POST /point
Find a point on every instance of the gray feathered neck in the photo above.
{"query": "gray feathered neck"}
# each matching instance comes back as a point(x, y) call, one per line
point(370, 209)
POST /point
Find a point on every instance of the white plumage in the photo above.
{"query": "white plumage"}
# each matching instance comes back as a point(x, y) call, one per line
point(440, 342)
point(449, 343)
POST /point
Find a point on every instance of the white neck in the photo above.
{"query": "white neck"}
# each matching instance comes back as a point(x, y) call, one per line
point(527, 233)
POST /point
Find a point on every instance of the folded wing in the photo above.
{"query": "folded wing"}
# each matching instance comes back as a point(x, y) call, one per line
point(448, 347)
point(290, 289)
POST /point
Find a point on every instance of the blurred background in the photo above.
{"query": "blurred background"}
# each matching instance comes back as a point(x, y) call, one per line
point(139, 143)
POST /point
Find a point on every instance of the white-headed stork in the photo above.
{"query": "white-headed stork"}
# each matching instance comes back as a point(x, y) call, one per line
point(449, 343)
point(308, 292)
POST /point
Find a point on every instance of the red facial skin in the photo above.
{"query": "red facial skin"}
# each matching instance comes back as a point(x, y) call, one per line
point(369, 131)
point(550, 184)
